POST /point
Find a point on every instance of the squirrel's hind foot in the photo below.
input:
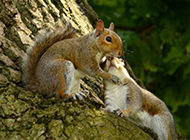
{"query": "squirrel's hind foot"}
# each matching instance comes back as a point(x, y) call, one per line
point(80, 95)
point(119, 112)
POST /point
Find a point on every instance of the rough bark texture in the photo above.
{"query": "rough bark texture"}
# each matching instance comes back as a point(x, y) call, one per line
point(26, 115)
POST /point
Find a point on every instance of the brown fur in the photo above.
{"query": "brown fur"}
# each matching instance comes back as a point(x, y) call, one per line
point(36, 51)
point(52, 62)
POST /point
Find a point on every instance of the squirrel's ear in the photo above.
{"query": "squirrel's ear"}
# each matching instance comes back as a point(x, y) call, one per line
point(99, 27)
point(111, 26)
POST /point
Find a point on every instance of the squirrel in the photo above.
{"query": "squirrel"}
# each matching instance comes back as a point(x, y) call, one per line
point(139, 105)
point(57, 60)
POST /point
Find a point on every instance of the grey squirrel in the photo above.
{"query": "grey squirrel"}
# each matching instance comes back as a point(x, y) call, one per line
point(58, 60)
point(137, 104)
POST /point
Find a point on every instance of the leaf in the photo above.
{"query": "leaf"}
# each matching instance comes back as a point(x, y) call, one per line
point(188, 47)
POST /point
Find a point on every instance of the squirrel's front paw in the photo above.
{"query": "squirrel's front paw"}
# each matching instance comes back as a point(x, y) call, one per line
point(115, 79)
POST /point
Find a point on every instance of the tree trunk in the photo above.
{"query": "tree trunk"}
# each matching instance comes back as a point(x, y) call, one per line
point(26, 115)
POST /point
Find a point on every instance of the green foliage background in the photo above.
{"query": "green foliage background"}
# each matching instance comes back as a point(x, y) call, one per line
point(156, 36)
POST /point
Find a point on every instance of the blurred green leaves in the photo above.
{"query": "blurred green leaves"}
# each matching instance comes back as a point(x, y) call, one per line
point(156, 38)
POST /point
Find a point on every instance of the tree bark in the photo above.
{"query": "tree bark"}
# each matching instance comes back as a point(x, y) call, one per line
point(26, 115)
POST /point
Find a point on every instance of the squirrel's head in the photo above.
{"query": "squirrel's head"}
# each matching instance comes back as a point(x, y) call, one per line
point(107, 40)
point(116, 67)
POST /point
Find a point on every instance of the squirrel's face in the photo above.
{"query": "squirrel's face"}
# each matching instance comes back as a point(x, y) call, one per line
point(108, 41)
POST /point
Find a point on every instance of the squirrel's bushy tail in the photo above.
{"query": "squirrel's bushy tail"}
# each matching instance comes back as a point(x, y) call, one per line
point(41, 43)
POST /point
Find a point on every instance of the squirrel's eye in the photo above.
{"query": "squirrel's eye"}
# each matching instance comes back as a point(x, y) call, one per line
point(108, 39)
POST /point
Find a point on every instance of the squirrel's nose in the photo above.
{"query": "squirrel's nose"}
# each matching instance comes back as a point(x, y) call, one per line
point(120, 53)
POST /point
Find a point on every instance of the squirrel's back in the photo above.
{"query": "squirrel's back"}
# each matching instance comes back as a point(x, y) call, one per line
point(42, 43)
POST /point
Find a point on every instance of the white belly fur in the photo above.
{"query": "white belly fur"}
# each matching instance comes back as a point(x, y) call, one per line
point(115, 98)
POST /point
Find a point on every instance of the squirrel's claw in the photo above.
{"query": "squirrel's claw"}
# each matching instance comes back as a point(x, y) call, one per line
point(119, 112)
point(80, 95)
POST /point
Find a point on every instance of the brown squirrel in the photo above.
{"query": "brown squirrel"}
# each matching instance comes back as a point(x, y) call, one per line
point(59, 59)
point(137, 104)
